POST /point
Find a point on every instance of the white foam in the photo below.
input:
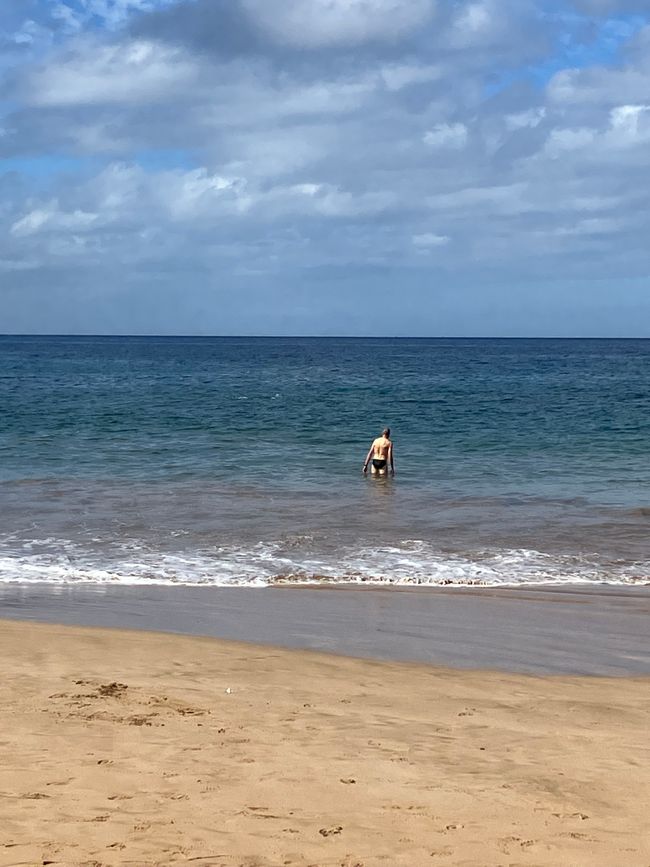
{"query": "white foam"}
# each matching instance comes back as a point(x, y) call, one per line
point(411, 562)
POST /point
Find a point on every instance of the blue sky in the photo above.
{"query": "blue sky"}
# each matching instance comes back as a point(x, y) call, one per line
point(426, 167)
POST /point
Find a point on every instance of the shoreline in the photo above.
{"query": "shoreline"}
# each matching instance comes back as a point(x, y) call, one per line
point(601, 631)
point(133, 747)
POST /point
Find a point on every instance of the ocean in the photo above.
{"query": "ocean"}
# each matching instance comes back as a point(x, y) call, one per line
point(237, 461)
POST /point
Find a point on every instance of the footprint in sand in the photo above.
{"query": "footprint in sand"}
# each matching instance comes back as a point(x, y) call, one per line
point(191, 711)
point(140, 720)
point(112, 690)
point(581, 816)
point(329, 832)
point(506, 844)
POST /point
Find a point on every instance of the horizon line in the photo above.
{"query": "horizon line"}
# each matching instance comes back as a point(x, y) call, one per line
point(327, 336)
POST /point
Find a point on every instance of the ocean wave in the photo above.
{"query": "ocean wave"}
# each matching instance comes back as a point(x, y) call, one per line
point(295, 560)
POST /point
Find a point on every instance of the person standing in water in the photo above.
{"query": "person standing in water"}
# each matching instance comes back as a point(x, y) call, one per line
point(381, 455)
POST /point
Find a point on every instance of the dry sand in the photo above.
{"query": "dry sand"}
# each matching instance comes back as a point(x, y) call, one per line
point(122, 747)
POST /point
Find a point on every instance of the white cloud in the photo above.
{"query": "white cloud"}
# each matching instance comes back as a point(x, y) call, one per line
point(474, 19)
point(398, 76)
point(446, 135)
point(427, 240)
point(112, 13)
point(509, 199)
point(28, 33)
point(331, 201)
point(630, 122)
point(239, 99)
point(605, 85)
point(50, 217)
point(591, 226)
point(481, 23)
point(314, 23)
point(528, 119)
point(188, 195)
point(282, 151)
point(117, 189)
point(128, 204)
point(560, 141)
point(627, 126)
point(123, 73)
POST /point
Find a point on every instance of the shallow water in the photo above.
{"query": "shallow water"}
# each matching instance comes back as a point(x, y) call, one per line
point(238, 460)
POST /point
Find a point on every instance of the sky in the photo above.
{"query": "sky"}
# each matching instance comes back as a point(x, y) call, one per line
point(325, 167)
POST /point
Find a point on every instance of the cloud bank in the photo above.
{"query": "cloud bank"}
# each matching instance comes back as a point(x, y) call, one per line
point(325, 166)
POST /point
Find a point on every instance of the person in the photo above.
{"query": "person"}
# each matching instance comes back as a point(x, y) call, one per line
point(381, 455)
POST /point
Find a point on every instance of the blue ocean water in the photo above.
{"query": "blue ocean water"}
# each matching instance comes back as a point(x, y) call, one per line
point(238, 460)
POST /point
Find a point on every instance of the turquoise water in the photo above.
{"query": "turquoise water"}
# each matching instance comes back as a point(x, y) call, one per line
point(238, 460)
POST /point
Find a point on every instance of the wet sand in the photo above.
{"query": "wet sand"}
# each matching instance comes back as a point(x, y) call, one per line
point(554, 630)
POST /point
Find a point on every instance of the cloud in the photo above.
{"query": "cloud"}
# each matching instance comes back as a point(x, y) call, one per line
point(515, 28)
point(121, 73)
point(317, 23)
point(427, 240)
point(474, 23)
point(630, 124)
point(606, 85)
point(397, 76)
point(51, 218)
point(625, 127)
point(240, 144)
point(562, 140)
point(530, 118)
point(446, 135)
point(111, 13)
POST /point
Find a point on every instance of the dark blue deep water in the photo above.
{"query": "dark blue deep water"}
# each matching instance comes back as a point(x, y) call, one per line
point(238, 460)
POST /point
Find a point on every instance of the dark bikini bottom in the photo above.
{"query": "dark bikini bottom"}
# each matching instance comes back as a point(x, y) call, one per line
point(379, 463)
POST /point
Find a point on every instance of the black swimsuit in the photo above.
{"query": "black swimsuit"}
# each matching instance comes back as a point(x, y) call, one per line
point(379, 463)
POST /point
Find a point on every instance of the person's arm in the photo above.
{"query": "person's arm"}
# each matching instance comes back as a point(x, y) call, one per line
point(368, 456)
point(392, 462)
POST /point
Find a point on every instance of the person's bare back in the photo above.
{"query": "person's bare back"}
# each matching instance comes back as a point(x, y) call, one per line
point(381, 455)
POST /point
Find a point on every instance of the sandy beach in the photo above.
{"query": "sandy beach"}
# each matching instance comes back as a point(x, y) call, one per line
point(126, 747)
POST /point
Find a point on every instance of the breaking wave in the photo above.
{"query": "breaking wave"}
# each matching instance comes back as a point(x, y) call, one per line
point(295, 561)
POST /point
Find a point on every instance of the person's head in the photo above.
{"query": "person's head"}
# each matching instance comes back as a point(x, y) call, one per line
point(386, 432)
